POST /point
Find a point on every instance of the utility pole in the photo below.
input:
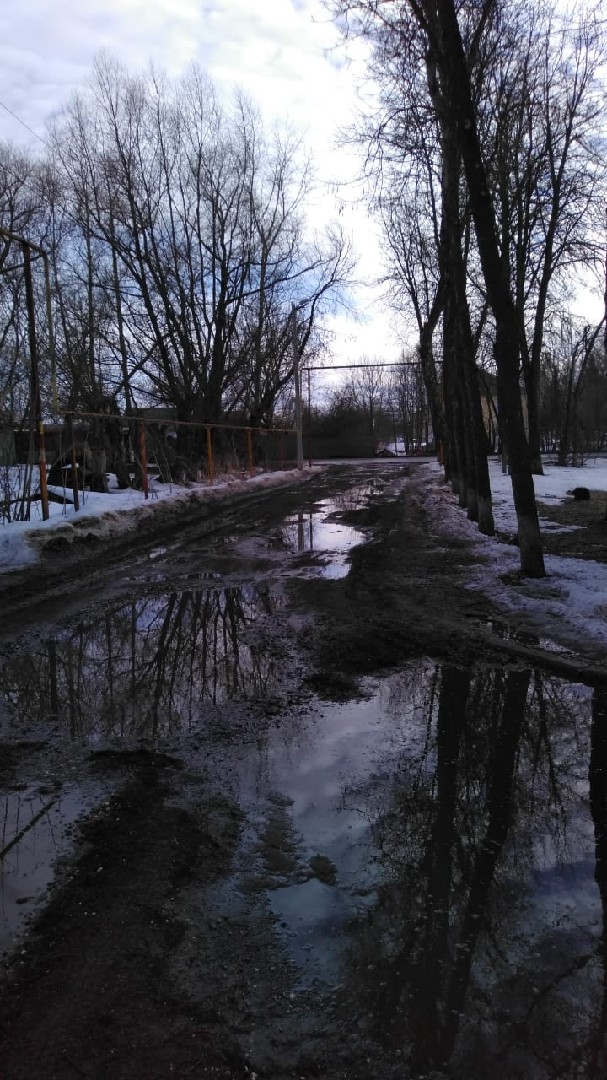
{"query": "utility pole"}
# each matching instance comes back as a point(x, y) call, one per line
point(298, 416)
point(309, 422)
point(605, 317)
point(36, 406)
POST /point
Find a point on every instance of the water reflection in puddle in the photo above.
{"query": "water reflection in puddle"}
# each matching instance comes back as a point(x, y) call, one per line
point(339, 749)
point(158, 665)
point(312, 533)
point(347, 748)
point(445, 862)
point(465, 816)
point(34, 832)
point(317, 532)
point(147, 669)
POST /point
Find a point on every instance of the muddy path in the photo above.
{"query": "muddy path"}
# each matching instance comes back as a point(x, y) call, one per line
point(282, 798)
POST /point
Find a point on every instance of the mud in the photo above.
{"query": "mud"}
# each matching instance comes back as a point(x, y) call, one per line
point(586, 527)
point(300, 814)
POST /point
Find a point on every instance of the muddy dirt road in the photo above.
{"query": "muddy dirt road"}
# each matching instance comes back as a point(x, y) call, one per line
point(282, 799)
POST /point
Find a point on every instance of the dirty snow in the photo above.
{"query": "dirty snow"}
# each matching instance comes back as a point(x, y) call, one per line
point(103, 515)
point(573, 595)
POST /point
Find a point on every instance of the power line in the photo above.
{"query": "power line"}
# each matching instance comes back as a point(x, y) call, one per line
point(379, 364)
point(23, 123)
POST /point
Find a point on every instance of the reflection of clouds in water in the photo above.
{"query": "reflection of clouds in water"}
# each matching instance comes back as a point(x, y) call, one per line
point(465, 900)
point(32, 835)
point(312, 763)
point(312, 531)
point(309, 533)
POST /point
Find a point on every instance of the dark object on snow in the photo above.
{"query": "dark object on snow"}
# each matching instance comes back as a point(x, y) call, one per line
point(581, 494)
point(323, 869)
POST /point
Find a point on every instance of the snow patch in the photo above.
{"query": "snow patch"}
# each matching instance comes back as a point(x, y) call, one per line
point(573, 595)
point(102, 516)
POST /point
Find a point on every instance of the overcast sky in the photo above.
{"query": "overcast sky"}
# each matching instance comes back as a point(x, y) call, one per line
point(286, 54)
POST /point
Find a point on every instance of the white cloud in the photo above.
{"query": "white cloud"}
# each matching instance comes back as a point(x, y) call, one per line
point(279, 51)
point(287, 54)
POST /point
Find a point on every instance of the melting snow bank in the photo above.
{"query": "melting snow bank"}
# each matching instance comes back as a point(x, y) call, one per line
point(569, 605)
point(111, 516)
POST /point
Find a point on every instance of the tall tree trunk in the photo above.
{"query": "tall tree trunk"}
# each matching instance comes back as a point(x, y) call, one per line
point(429, 374)
point(453, 69)
point(90, 295)
point(124, 357)
point(532, 375)
point(479, 449)
point(454, 272)
point(455, 451)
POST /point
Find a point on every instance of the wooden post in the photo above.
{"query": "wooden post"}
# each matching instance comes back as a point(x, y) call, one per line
point(35, 404)
point(69, 420)
point(51, 334)
point(42, 467)
point(309, 422)
point(250, 451)
point(210, 456)
point(143, 453)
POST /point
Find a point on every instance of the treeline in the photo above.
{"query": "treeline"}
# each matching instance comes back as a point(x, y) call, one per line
point(376, 407)
point(175, 225)
point(486, 160)
point(388, 404)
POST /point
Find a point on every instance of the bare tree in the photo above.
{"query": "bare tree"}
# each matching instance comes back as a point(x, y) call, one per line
point(440, 23)
point(21, 214)
point(204, 247)
point(454, 97)
point(546, 166)
point(408, 401)
point(417, 166)
point(368, 390)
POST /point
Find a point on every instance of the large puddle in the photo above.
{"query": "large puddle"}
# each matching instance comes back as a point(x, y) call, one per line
point(154, 670)
point(435, 853)
point(319, 533)
point(315, 534)
point(447, 870)
point(149, 669)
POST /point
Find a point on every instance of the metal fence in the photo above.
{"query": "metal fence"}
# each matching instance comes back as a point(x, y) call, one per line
point(141, 451)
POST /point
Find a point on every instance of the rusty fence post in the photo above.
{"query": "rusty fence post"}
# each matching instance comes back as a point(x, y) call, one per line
point(297, 378)
point(210, 456)
point(35, 404)
point(143, 452)
point(42, 467)
point(69, 421)
point(250, 451)
point(309, 422)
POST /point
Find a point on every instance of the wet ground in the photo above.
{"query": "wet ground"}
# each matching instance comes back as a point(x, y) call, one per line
point(578, 527)
point(282, 799)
